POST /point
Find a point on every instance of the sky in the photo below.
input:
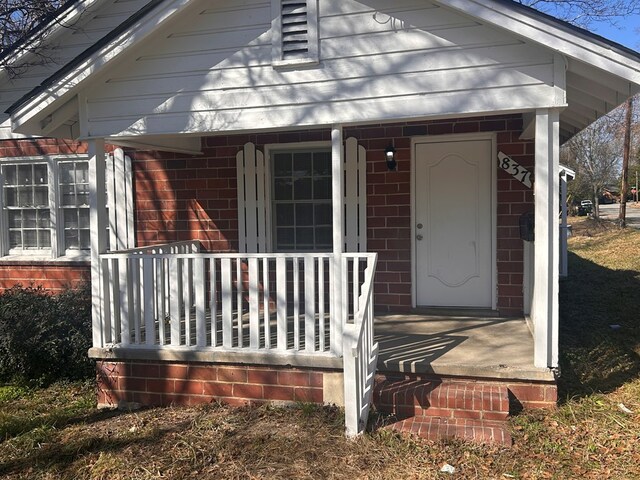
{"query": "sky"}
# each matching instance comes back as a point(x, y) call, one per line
point(627, 35)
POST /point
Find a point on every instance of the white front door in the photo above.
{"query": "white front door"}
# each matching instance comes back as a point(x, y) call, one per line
point(453, 224)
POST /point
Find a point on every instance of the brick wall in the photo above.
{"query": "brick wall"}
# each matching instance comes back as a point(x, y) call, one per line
point(51, 275)
point(151, 383)
point(180, 197)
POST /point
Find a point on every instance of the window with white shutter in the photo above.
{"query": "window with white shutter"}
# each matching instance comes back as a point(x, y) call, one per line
point(295, 32)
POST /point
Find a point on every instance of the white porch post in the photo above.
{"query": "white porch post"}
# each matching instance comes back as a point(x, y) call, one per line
point(98, 219)
point(563, 227)
point(546, 268)
point(337, 194)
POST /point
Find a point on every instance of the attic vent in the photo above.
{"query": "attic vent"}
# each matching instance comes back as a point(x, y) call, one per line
point(295, 32)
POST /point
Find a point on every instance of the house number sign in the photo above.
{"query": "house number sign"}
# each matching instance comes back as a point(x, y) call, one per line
point(518, 172)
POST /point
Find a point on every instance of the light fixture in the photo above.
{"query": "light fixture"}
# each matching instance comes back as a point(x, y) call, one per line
point(390, 155)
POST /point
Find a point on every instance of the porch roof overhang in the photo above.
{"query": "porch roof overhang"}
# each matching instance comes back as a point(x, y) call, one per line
point(600, 74)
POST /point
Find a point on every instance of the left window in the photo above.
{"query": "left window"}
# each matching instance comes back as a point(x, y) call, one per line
point(45, 207)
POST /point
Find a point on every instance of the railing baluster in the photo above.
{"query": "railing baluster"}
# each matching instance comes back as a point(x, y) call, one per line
point(239, 302)
point(254, 305)
point(175, 294)
point(147, 303)
point(213, 302)
point(265, 303)
point(281, 301)
point(296, 304)
point(309, 304)
point(135, 303)
point(321, 327)
point(227, 303)
point(161, 299)
point(200, 288)
point(123, 283)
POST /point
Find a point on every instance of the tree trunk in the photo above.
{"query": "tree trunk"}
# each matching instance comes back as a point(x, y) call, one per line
point(625, 164)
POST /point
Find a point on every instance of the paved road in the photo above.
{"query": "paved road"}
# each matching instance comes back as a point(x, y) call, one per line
point(610, 212)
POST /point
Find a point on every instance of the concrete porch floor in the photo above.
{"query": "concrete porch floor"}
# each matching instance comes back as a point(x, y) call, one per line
point(469, 346)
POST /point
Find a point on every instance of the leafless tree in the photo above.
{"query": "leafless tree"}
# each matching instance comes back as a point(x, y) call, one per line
point(586, 12)
point(21, 31)
point(595, 155)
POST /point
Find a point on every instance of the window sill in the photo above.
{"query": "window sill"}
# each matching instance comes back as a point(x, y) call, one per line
point(44, 261)
point(295, 64)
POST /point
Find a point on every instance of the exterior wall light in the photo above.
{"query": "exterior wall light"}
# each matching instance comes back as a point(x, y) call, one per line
point(390, 155)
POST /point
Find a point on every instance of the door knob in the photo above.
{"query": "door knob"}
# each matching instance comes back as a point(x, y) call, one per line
point(419, 237)
point(419, 226)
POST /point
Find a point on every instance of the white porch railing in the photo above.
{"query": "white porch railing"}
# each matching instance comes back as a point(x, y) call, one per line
point(360, 353)
point(164, 297)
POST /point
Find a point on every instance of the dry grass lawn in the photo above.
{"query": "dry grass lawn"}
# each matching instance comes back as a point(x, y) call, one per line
point(58, 434)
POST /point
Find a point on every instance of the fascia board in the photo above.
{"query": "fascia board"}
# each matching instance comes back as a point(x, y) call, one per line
point(68, 84)
point(552, 35)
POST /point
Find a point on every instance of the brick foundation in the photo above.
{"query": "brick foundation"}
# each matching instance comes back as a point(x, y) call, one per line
point(161, 383)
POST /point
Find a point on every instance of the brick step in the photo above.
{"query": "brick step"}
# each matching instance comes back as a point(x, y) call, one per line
point(436, 428)
point(406, 398)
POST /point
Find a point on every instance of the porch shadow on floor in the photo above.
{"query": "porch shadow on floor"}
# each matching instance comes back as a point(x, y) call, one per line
point(483, 347)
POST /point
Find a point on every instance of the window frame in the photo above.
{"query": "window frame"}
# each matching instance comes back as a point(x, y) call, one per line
point(269, 150)
point(313, 39)
point(57, 249)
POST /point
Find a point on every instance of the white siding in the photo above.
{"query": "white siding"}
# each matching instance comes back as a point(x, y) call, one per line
point(212, 71)
point(92, 25)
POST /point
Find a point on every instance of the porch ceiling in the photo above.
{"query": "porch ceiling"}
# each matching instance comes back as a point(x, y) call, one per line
point(483, 347)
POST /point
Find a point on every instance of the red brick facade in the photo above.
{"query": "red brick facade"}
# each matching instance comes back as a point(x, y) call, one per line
point(51, 275)
point(151, 383)
point(181, 197)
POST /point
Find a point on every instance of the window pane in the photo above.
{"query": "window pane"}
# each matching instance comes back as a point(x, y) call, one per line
point(15, 239)
point(322, 188)
point(11, 196)
point(29, 219)
point(30, 238)
point(71, 239)
point(41, 196)
point(24, 175)
point(10, 175)
point(322, 163)
point(285, 237)
point(84, 218)
point(283, 189)
point(304, 236)
point(82, 194)
point(323, 214)
point(70, 218)
point(304, 214)
point(302, 164)
point(40, 175)
point(323, 237)
point(44, 237)
point(25, 196)
point(284, 214)
point(282, 164)
point(68, 196)
point(302, 189)
point(15, 218)
point(85, 239)
point(66, 173)
point(43, 219)
point(82, 172)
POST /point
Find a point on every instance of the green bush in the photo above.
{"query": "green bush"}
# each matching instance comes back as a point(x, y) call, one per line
point(44, 337)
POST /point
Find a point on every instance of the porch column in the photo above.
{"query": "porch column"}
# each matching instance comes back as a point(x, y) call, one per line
point(546, 247)
point(564, 229)
point(98, 219)
point(337, 195)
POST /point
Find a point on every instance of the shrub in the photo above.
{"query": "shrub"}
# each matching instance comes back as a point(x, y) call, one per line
point(44, 337)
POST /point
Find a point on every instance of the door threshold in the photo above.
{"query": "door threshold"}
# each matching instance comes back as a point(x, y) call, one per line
point(456, 311)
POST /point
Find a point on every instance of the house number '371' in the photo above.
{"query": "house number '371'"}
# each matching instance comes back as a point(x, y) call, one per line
point(518, 172)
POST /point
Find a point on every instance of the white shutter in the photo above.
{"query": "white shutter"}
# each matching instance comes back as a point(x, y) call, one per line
point(355, 196)
point(120, 197)
point(252, 222)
